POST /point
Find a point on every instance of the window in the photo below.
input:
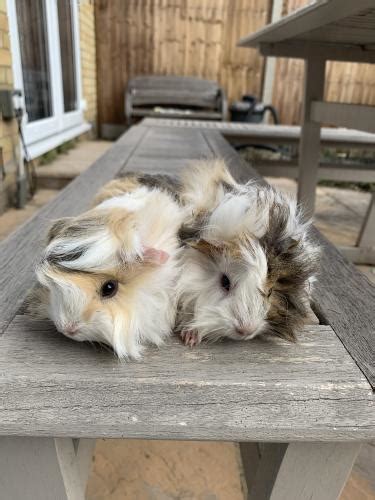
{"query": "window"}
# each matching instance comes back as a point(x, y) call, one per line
point(31, 20)
point(46, 66)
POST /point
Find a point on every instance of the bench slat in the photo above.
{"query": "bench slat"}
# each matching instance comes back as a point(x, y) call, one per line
point(262, 390)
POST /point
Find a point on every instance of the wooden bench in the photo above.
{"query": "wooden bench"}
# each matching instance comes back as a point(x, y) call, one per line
point(176, 97)
point(310, 404)
point(240, 134)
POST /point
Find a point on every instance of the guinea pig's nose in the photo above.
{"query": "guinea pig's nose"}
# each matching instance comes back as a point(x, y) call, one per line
point(71, 329)
point(245, 330)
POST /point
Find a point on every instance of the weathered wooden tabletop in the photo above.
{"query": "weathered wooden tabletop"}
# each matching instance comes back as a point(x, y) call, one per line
point(259, 390)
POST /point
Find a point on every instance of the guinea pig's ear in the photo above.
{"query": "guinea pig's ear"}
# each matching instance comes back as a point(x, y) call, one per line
point(206, 247)
point(155, 256)
point(57, 228)
point(291, 244)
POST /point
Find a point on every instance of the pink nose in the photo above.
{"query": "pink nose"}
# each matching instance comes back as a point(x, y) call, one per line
point(70, 329)
point(245, 330)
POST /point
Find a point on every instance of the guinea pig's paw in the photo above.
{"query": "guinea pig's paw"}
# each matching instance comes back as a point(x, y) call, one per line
point(190, 337)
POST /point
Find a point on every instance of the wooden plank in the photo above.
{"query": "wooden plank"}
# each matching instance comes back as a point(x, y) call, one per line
point(326, 171)
point(300, 49)
point(306, 19)
point(20, 251)
point(276, 134)
point(303, 471)
point(344, 299)
point(309, 147)
point(359, 255)
point(249, 391)
point(344, 115)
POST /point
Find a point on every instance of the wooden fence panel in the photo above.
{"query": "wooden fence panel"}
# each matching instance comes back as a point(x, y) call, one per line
point(198, 38)
point(175, 37)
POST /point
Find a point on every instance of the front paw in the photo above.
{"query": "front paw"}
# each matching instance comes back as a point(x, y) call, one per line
point(190, 337)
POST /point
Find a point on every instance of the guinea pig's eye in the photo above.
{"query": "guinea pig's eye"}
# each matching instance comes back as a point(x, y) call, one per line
point(225, 282)
point(109, 289)
point(269, 293)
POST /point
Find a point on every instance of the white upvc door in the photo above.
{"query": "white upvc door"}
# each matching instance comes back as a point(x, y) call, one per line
point(46, 67)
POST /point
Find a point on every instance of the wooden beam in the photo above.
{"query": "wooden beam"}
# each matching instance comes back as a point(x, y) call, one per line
point(356, 116)
point(303, 471)
point(330, 51)
point(359, 255)
point(309, 149)
point(316, 15)
point(326, 171)
point(367, 234)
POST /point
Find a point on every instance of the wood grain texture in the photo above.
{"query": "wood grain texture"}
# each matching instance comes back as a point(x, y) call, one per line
point(318, 21)
point(303, 471)
point(276, 134)
point(261, 390)
point(21, 250)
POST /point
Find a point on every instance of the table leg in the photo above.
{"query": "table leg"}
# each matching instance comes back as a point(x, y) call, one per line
point(302, 471)
point(367, 235)
point(43, 468)
point(310, 135)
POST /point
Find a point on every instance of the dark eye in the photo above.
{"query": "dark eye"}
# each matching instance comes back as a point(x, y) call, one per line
point(109, 289)
point(269, 292)
point(225, 282)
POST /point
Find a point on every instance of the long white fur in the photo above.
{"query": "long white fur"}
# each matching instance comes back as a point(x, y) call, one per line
point(149, 313)
point(205, 308)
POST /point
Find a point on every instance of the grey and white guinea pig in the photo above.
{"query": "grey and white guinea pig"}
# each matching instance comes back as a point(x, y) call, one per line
point(247, 264)
point(109, 275)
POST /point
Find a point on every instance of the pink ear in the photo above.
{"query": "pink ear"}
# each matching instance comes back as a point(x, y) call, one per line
point(155, 256)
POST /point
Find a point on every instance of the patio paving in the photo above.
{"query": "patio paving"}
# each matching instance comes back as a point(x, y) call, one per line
point(162, 470)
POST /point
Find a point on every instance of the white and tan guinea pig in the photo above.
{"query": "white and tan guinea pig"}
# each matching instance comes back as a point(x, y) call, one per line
point(109, 275)
point(248, 260)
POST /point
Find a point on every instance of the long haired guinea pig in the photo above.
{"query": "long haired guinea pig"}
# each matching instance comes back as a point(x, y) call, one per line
point(109, 274)
point(247, 265)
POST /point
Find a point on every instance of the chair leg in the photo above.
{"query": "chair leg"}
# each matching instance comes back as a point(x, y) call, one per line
point(43, 468)
point(303, 471)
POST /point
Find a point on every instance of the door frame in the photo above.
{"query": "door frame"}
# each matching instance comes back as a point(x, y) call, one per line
point(47, 133)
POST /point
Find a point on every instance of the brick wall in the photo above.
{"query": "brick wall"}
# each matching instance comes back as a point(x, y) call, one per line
point(8, 129)
point(88, 59)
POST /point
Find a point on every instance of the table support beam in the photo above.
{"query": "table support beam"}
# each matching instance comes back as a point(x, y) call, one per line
point(310, 135)
point(37, 468)
point(302, 471)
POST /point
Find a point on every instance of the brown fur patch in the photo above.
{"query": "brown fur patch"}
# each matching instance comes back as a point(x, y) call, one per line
point(117, 187)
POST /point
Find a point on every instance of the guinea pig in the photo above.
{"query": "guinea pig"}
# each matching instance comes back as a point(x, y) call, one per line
point(247, 264)
point(109, 275)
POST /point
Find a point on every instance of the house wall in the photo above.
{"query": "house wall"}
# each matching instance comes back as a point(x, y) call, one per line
point(88, 60)
point(9, 142)
point(8, 129)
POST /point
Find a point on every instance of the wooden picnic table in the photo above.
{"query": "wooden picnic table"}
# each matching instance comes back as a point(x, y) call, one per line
point(311, 403)
point(341, 30)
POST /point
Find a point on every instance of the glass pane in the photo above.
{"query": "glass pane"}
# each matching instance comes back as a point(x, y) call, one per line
point(67, 54)
point(31, 20)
